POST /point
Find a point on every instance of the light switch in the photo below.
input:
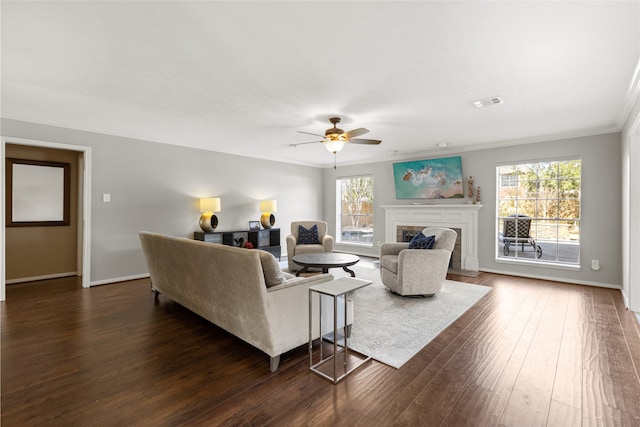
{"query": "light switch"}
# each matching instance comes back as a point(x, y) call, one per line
point(106, 197)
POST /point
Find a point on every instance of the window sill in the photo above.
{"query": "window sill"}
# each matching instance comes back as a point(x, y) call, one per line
point(360, 245)
point(570, 267)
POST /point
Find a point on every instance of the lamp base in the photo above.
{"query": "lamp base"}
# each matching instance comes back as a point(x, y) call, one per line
point(208, 222)
point(267, 220)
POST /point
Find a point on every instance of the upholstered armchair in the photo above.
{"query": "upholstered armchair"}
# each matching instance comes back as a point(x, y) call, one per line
point(323, 244)
point(414, 272)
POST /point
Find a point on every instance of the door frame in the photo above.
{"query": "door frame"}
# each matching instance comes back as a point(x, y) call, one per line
point(85, 196)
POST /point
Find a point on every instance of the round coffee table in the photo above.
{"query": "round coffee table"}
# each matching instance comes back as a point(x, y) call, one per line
point(325, 261)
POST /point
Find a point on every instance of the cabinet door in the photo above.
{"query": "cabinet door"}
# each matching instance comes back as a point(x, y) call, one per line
point(264, 238)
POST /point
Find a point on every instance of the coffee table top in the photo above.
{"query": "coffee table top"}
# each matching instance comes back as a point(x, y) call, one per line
point(328, 259)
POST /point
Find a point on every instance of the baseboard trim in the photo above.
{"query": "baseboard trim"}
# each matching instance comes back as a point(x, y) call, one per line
point(44, 277)
point(119, 279)
point(553, 279)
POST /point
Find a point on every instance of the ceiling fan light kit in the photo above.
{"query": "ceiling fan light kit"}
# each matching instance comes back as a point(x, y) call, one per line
point(335, 139)
point(334, 146)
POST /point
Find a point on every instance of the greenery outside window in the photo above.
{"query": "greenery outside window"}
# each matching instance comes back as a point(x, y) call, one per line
point(354, 210)
point(544, 198)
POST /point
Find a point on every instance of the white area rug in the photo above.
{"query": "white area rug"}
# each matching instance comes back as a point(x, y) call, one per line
point(391, 328)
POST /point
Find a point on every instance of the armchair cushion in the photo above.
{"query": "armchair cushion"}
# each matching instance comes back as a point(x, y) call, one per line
point(420, 241)
point(390, 262)
point(308, 236)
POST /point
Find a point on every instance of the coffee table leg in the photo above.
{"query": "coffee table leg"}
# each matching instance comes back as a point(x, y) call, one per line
point(303, 270)
point(349, 271)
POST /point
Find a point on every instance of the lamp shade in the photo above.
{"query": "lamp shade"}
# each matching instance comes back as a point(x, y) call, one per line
point(334, 145)
point(211, 204)
point(268, 206)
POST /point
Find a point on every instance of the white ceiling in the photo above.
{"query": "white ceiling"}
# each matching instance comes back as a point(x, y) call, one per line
point(243, 77)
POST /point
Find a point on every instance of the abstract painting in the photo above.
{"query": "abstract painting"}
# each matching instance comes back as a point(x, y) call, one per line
point(429, 179)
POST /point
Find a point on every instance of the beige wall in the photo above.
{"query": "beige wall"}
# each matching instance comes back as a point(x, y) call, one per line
point(33, 252)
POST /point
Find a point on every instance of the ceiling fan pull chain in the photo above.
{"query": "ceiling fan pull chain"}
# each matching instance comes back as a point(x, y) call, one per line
point(334, 159)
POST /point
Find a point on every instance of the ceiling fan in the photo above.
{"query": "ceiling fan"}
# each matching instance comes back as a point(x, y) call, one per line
point(334, 139)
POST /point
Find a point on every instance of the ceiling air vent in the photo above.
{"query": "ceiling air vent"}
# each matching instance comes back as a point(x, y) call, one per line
point(487, 102)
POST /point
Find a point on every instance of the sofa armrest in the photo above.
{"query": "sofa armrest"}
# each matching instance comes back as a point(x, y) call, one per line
point(297, 281)
point(392, 248)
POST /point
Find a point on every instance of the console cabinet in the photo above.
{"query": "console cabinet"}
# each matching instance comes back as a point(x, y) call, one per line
point(267, 239)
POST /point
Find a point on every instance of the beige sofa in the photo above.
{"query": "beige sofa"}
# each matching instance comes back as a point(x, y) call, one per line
point(240, 290)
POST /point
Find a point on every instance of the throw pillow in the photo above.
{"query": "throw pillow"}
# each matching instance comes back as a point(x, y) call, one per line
point(272, 273)
point(308, 237)
point(420, 241)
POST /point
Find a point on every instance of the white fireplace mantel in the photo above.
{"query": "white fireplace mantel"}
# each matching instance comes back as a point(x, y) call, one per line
point(462, 216)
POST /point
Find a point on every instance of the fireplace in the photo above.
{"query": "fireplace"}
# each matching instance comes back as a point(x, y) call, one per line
point(403, 220)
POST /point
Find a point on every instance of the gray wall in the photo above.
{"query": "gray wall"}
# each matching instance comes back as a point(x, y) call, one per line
point(156, 187)
point(601, 202)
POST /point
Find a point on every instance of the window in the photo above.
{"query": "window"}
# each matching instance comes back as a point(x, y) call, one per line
point(538, 212)
point(509, 180)
point(354, 210)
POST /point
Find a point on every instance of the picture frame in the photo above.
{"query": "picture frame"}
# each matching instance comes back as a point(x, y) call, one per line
point(37, 193)
point(254, 225)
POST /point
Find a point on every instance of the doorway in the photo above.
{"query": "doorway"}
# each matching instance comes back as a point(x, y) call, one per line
point(83, 198)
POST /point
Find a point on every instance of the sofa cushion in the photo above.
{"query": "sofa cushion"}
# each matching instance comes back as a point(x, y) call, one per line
point(272, 274)
point(308, 236)
point(420, 241)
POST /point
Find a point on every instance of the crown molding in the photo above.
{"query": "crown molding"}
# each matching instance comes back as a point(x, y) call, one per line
point(455, 149)
point(631, 97)
point(451, 149)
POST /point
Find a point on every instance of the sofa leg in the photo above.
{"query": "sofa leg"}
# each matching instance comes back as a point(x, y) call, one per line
point(274, 363)
point(156, 294)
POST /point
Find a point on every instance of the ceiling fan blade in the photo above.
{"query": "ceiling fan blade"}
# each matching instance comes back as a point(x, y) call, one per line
point(355, 132)
point(309, 133)
point(365, 141)
point(304, 143)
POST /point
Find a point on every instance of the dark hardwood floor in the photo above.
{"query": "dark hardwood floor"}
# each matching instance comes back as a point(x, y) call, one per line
point(531, 352)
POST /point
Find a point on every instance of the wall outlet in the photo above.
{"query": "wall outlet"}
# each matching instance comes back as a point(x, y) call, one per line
point(595, 264)
point(106, 198)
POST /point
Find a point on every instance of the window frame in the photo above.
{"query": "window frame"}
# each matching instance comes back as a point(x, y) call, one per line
point(340, 215)
point(556, 220)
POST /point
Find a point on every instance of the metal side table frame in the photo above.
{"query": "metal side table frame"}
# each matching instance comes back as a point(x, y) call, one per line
point(343, 361)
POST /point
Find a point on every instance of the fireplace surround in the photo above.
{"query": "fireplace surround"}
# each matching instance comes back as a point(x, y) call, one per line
point(462, 217)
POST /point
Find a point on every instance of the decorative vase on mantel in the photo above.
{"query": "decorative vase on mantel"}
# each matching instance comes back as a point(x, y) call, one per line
point(470, 190)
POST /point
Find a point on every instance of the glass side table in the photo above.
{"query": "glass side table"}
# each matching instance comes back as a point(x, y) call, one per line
point(335, 365)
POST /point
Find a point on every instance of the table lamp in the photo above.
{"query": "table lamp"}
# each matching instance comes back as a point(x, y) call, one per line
point(208, 221)
point(267, 207)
